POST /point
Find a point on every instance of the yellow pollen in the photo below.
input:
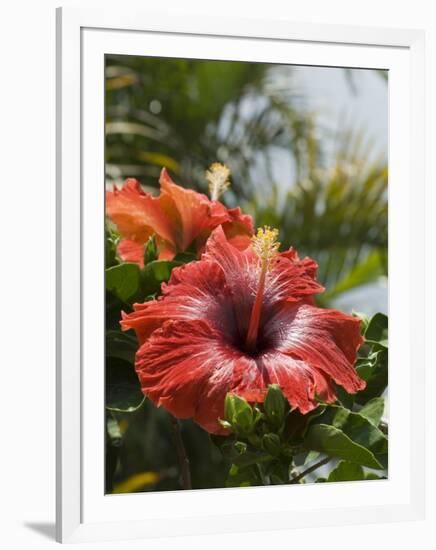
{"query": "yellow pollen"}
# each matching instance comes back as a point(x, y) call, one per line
point(218, 178)
point(265, 244)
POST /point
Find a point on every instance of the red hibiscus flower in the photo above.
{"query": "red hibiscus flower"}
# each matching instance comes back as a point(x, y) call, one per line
point(237, 321)
point(180, 218)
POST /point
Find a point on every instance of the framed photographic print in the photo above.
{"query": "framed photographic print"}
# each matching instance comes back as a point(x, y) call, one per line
point(240, 222)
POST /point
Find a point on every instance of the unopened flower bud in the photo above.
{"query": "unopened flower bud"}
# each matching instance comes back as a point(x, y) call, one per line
point(150, 250)
point(271, 444)
point(275, 406)
point(239, 414)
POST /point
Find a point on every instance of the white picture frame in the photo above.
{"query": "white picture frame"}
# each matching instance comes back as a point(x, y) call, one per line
point(83, 512)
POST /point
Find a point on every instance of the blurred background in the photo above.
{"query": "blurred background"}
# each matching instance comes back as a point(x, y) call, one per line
point(307, 148)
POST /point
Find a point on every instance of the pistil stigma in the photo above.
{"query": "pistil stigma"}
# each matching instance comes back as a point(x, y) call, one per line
point(266, 246)
point(218, 179)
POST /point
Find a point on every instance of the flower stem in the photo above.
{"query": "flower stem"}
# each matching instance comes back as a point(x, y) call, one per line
point(317, 465)
point(185, 472)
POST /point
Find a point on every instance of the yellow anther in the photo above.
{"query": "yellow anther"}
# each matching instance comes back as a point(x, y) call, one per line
point(218, 178)
point(265, 243)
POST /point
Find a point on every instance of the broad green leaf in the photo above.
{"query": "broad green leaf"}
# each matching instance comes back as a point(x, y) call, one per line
point(311, 456)
point(242, 476)
point(111, 241)
point(377, 330)
point(113, 443)
point(347, 471)
point(374, 370)
point(357, 427)
point(251, 458)
point(121, 345)
point(123, 392)
point(155, 273)
point(373, 410)
point(123, 281)
point(373, 476)
point(344, 398)
point(278, 472)
point(333, 442)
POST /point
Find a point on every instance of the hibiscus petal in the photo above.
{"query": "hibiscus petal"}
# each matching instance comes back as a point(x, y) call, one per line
point(195, 291)
point(323, 386)
point(241, 273)
point(131, 251)
point(292, 278)
point(138, 215)
point(195, 211)
point(239, 231)
point(325, 339)
point(187, 368)
point(294, 377)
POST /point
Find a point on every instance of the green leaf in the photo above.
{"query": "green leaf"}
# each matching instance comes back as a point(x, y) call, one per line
point(373, 476)
point(240, 476)
point(123, 392)
point(373, 410)
point(333, 442)
point(111, 242)
point(311, 456)
point(377, 330)
point(374, 370)
point(121, 345)
point(123, 281)
point(356, 427)
point(347, 471)
point(251, 458)
point(113, 443)
point(344, 398)
point(155, 273)
point(240, 454)
point(278, 472)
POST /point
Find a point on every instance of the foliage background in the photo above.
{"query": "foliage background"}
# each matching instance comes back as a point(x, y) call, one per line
point(329, 201)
